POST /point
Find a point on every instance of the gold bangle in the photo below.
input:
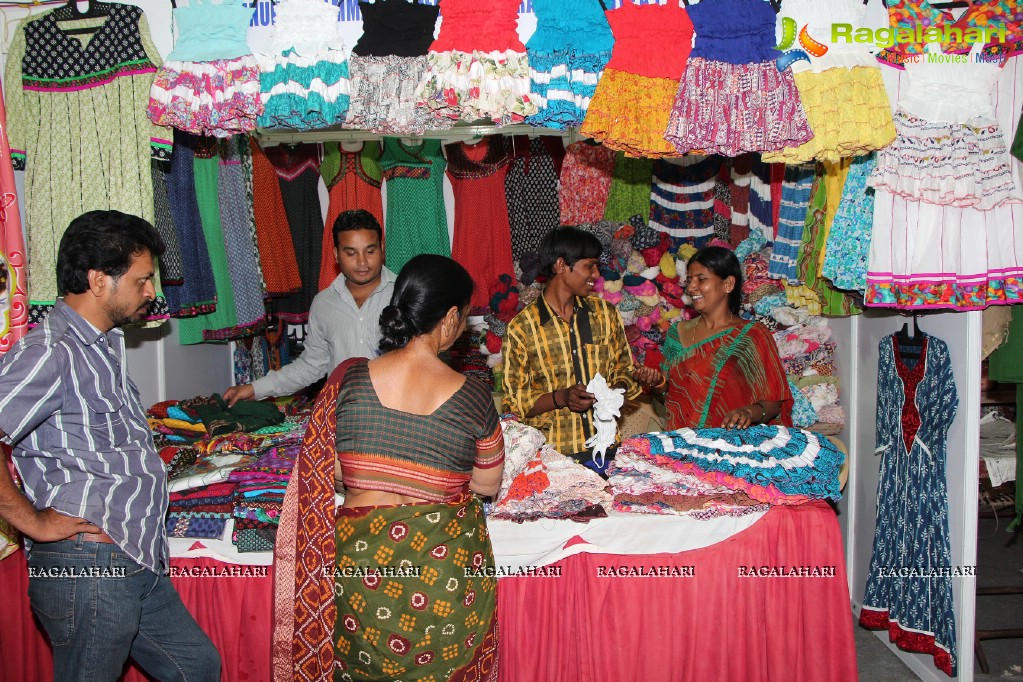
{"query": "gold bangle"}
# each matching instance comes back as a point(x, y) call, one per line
point(763, 411)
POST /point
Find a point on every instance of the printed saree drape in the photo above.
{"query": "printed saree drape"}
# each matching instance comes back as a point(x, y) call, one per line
point(731, 369)
point(401, 591)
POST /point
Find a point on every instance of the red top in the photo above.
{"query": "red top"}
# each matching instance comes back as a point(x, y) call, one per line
point(484, 25)
point(650, 40)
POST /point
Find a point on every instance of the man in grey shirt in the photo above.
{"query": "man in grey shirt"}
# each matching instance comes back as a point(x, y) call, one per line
point(95, 488)
point(343, 318)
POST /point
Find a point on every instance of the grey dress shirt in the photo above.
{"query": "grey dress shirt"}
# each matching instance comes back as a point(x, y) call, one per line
point(81, 440)
point(338, 330)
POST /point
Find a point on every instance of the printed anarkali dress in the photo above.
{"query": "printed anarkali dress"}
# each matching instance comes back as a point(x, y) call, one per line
point(76, 114)
point(916, 403)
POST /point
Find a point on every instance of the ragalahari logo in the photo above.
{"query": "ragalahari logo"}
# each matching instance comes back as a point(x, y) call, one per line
point(788, 38)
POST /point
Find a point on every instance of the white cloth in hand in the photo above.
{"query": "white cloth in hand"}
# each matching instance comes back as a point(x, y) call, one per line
point(606, 410)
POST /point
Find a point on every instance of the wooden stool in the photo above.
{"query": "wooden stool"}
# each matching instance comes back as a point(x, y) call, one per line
point(1003, 633)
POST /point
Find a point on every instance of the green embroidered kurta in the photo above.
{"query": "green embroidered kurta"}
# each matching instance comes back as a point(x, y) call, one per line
point(76, 112)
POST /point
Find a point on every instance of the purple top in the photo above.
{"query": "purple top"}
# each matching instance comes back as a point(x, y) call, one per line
point(734, 31)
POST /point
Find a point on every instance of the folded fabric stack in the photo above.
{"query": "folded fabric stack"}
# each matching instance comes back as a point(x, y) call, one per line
point(201, 512)
point(761, 464)
point(639, 485)
point(808, 356)
point(259, 498)
point(541, 483)
point(172, 423)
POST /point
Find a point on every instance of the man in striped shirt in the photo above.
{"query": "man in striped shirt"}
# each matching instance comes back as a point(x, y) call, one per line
point(95, 490)
point(557, 344)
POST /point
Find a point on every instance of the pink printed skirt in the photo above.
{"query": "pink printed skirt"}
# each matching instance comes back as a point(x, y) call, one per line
point(731, 109)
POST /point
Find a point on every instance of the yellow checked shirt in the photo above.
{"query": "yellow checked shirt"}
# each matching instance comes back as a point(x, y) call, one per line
point(543, 353)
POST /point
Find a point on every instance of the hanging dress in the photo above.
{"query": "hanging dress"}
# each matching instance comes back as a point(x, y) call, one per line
point(848, 243)
point(356, 184)
point(630, 108)
point(273, 234)
point(629, 193)
point(303, 78)
point(841, 91)
point(477, 173)
point(85, 97)
point(732, 97)
point(209, 84)
point(916, 403)
point(416, 220)
point(13, 292)
point(298, 174)
point(478, 65)
point(682, 198)
point(567, 53)
point(531, 189)
point(387, 64)
point(949, 149)
point(585, 182)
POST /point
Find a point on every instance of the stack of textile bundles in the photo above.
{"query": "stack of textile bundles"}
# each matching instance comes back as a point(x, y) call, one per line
point(713, 472)
point(807, 354)
point(540, 483)
point(259, 498)
point(201, 512)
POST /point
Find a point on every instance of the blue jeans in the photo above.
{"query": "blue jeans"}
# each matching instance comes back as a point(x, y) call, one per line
point(96, 623)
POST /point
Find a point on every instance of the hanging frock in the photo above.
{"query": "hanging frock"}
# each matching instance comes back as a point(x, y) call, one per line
point(926, 251)
point(531, 189)
point(478, 65)
point(585, 182)
point(209, 84)
point(848, 244)
point(303, 76)
point(732, 97)
point(416, 220)
point(682, 198)
point(13, 292)
point(477, 173)
point(298, 174)
point(77, 126)
point(273, 234)
point(629, 193)
point(567, 53)
point(916, 403)
point(630, 108)
point(386, 66)
point(841, 91)
point(356, 184)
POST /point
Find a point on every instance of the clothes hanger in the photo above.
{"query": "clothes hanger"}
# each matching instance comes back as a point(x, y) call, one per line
point(910, 342)
point(70, 12)
point(950, 5)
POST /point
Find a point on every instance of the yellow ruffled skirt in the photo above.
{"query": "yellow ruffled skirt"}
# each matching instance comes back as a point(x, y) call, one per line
point(849, 113)
point(629, 113)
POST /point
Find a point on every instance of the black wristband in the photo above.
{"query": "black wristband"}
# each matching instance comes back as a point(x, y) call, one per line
point(554, 399)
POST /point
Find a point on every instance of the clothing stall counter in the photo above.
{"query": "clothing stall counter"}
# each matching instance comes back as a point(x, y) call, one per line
point(628, 597)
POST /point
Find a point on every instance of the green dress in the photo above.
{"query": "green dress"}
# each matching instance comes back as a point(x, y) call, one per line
point(416, 220)
point(76, 114)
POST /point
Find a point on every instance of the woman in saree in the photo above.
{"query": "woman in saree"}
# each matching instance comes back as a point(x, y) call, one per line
point(408, 595)
point(721, 370)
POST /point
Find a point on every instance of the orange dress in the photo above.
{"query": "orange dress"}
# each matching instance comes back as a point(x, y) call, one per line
point(273, 235)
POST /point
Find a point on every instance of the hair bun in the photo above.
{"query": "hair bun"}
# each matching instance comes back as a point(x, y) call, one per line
point(396, 330)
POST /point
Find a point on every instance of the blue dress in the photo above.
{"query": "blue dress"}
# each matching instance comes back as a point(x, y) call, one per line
point(909, 587)
point(567, 54)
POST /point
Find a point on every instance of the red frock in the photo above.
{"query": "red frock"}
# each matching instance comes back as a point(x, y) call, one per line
point(482, 239)
point(356, 185)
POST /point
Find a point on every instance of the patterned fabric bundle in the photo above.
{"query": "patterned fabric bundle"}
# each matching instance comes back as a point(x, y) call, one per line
point(773, 464)
point(478, 65)
point(567, 54)
point(630, 108)
point(732, 97)
point(304, 71)
point(553, 486)
point(682, 198)
point(639, 485)
point(585, 182)
point(209, 84)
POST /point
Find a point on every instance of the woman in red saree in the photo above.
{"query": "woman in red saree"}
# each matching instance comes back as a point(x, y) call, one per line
point(721, 370)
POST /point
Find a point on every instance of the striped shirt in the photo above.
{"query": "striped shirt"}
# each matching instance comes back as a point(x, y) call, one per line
point(543, 353)
point(81, 441)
